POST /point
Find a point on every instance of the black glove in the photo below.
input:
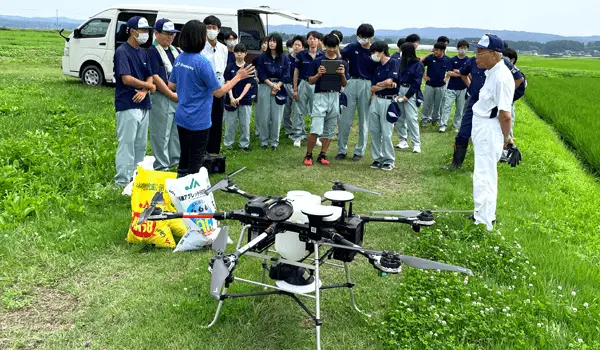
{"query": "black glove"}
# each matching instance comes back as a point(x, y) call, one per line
point(513, 155)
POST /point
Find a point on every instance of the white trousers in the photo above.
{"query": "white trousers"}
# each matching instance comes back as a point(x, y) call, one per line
point(488, 143)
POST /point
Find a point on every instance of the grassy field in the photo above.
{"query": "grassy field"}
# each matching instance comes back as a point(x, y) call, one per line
point(69, 280)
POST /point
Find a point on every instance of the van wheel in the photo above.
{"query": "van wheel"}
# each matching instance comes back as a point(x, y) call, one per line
point(92, 75)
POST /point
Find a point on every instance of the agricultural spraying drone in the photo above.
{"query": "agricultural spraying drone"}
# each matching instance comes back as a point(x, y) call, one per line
point(298, 227)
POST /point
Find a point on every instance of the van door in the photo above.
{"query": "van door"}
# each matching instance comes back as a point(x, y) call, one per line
point(252, 28)
point(89, 42)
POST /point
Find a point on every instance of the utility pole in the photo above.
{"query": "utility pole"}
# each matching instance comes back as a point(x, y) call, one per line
point(57, 19)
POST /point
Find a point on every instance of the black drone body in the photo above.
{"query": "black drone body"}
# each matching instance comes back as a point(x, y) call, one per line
point(334, 227)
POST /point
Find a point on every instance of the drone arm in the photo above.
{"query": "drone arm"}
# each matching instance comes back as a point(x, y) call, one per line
point(234, 189)
point(397, 219)
point(271, 230)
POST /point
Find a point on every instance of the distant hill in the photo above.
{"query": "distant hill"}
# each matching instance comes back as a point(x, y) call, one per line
point(38, 22)
point(434, 33)
point(426, 33)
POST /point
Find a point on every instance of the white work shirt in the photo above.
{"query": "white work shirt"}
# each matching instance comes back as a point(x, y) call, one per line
point(217, 56)
point(498, 91)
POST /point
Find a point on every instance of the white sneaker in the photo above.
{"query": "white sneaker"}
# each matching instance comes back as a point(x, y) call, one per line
point(442, 129)
point(402, 144)
point(417, 149)
point(297, 143)
point(319, 144)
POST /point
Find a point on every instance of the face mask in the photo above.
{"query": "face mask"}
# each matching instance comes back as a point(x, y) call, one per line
point(212, 34)
point(363, 41)
point(375, 58)
point(291, 50)
point(462, 52)
point(142, 38)
point(231, 43)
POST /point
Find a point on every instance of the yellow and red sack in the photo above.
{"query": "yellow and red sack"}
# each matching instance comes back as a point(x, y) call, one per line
point(157, 233)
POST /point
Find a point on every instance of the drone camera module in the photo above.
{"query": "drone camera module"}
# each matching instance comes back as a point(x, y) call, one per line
point(353, 230)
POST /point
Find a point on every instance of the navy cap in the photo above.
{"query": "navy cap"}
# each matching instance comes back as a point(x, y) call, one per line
point(393, 112)
point(343, 100)
point(281, 97)
point(490, 42)
point(138, 22)
point(165, 25)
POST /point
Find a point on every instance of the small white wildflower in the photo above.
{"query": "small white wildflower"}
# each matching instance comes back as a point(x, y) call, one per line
point(185, 289)
point(502, 238)
point(447, 300)
point(586, 305)
point(573, 293)
point(468, 294)
point(435, 334)
point(481, 312)
point(409, 309)
point(430, 332)
point(527, 262)
point(410, 298)
point(392, 332)
point(539, 325)
point(518, 253)
point(423, 298)
point(436, 315)
point(527, 301)
point(491, 308)
point(533, 267)
point(443, 323)
point(507, 315)
point(535, 273)
point(496, 248)
point(499, 292)
point(559, 287)
point(560, 296)
point(530, 285)
point(445, 283)
point(579, 340)
point(431, 278)
point(5, 236)
point(511, 260)
point(514, 277)
point(517, 229)
point(574, 309)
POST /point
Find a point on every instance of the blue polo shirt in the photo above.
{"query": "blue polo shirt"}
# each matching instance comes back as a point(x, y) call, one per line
point(456, 83)
point(230, 57)
point(292, 65)
point(412, 75)
point(313, 69)
point(436, 70)
point(303, 61)
point(237, 90)
point(520, 91)
point(195, 81)
point(360, 62)
point(396, 55)
point(130, 61)
point(156, 63)
point(268, 68)
point(477, 77)
point(384, 72)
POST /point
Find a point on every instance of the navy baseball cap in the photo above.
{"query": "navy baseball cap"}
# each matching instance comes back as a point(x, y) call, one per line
point(393, 112)
point(165, 25)
point(281, 97)
point(138, 22)
point(343, 100)
point(490, 42)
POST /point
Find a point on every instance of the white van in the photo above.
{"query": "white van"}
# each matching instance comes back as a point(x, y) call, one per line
point(90, 49)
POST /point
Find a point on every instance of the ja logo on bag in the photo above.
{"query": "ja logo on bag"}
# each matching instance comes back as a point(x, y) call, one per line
point(192, 185)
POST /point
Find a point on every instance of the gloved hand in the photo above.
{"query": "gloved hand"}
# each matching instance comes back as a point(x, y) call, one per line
point(513, 155)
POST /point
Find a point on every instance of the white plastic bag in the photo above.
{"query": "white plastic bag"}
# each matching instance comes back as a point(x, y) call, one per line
point(187, 195)
point(148, 164)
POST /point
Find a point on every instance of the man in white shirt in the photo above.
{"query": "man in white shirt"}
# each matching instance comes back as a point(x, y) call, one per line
point(216, 53)
point(491, 126)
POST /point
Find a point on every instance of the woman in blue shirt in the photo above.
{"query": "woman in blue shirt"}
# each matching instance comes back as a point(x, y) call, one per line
point(411, 76)
point(384, 89)
point(273, 70)
point(195, 82)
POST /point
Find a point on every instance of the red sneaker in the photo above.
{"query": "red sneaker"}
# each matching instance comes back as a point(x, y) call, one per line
point(308, 161)
point(323, 159)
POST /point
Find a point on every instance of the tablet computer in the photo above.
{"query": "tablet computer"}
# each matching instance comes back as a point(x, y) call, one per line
point(331, 66)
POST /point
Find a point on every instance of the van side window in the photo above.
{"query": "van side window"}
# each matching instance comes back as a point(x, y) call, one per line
point(95, 28)
point(121, 34)
point(251, 30)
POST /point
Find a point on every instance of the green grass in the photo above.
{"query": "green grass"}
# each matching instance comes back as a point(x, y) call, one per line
point(69, 280)
point(587, 64)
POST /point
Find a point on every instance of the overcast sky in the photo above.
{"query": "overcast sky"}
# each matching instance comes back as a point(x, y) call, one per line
point(569, 18)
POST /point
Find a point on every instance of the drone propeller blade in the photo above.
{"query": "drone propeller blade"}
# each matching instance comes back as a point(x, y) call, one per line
point(451, 211)
point(218, 186)
point(146, 214)
point(352, 188)
point(405, 213)
point(220, 243)
point(235, 172)
point(425, 264)
point(158, 198)
point(218, 277)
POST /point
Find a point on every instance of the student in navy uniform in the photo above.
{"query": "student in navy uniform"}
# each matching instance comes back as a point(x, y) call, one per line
point(443, 39)
point(358, 92)
point(196, 84)
point(326, 112)
point(340, 36)
point(254, 91)
point(435, 87)
point(231, 39)
point(474, 78)
point(520, 82)
point(302, 91)
point(384, 90)
point(410, 96)
point(163, 131)
point(294, 46)
point(398, 54)
point(456, 90)
point(216, 53)
point(273, 72)
point(238, 104)
point(132, 102)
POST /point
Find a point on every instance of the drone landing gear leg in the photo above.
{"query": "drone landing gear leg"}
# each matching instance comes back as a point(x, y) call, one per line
point(350, 289)
point(317, 297)
point(218, 312)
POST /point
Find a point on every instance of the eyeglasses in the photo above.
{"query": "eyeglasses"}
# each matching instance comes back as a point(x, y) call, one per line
point(168, 34)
